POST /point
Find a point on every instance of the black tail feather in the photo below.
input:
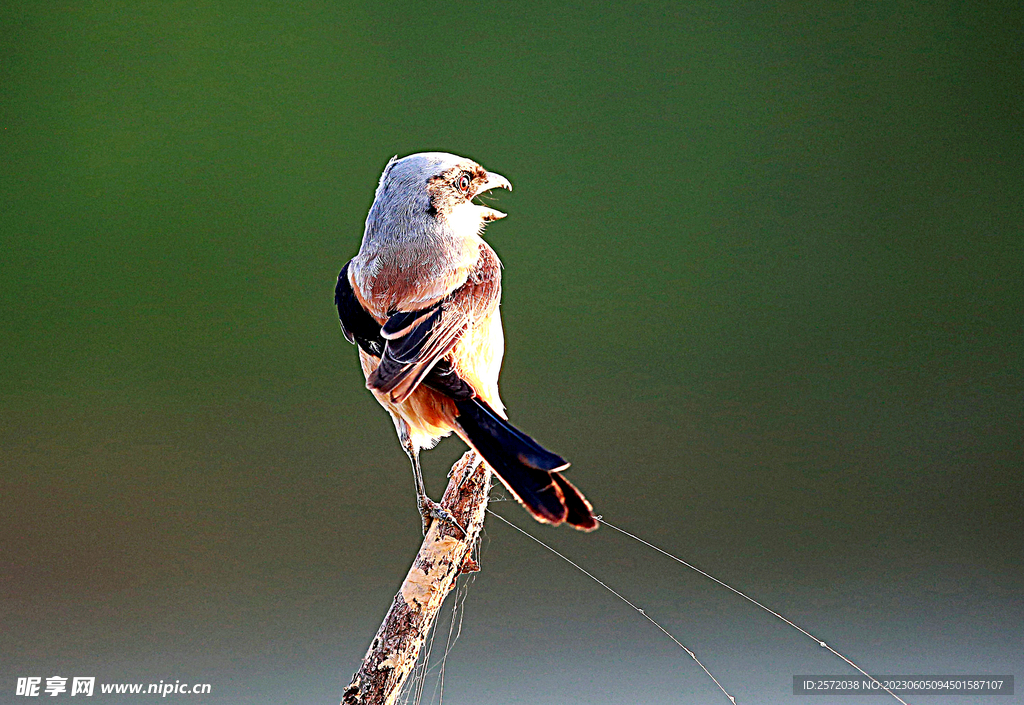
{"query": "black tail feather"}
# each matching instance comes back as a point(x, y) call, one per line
point(579, 513)
point(529, 471)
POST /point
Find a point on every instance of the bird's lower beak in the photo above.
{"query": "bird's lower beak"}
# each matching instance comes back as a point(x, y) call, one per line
point(493, 181)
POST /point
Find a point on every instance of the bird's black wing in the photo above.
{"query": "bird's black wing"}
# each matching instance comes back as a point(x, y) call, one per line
point(409, 357)
point(356, 322)
point(419, 340)
point(361, 329)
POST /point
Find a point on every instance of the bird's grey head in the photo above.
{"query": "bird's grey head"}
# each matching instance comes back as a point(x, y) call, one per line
point(431, 195)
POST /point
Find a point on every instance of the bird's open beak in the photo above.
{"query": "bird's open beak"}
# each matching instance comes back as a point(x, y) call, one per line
point(493, 181)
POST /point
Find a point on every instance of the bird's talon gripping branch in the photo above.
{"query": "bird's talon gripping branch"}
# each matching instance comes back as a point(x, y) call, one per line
point(430, 510)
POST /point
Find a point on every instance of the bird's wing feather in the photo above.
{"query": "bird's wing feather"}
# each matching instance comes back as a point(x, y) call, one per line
point(418, 340)
point(357, 324)
point(401, 324)
point(361, 329)
point(408, 359)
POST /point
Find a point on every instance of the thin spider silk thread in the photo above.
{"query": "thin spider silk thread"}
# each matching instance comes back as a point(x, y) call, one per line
point(612, 591)
point(820, 642)
point(458, 613)
point(772, 612)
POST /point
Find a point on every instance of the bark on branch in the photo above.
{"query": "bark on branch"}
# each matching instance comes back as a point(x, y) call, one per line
point(441, 559)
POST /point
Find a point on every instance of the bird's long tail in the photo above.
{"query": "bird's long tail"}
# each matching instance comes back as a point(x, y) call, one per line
point(531, 472)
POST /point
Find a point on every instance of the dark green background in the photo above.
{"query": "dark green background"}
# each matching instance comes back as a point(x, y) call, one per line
point(763, 286)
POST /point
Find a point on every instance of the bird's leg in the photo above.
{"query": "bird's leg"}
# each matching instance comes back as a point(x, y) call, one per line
point(429, 509)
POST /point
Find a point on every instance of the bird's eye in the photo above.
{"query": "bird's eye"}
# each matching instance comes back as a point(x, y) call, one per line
point(463, 183)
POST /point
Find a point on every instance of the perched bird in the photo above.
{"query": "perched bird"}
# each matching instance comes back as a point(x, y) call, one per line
point(421, 302)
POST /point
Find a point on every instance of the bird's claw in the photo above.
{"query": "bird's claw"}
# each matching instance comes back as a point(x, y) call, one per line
point(430, 510)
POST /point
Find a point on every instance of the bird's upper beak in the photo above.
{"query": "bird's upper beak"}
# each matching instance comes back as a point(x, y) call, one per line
point(493, 181)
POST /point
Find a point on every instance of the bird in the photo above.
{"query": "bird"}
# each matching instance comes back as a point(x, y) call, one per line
point(421, 300)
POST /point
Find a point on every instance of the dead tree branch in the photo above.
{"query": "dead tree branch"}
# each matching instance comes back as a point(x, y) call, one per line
point(442, 557)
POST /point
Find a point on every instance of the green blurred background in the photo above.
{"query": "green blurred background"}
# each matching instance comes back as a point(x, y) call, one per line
point(763, 286)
